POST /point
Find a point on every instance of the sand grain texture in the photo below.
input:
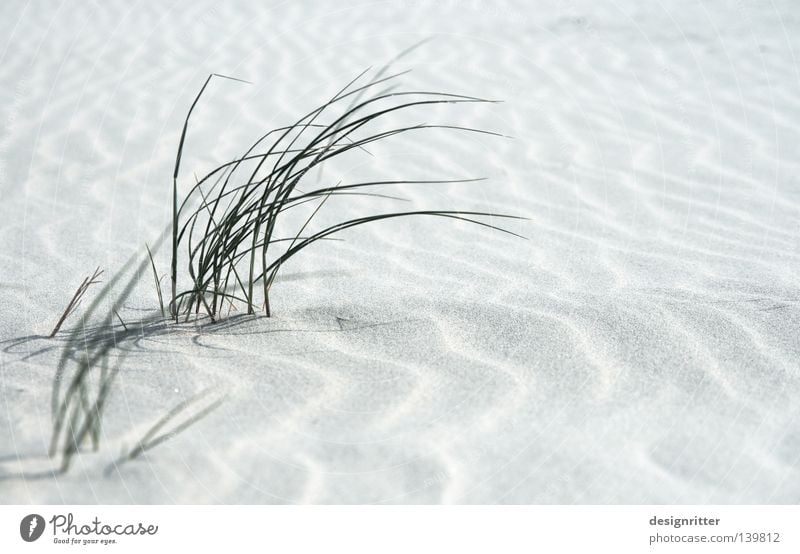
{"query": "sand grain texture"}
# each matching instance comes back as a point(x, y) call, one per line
point(641, 347)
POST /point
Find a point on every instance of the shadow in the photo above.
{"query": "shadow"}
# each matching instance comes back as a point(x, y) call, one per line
point(305, 275)
point(17, 457)
point(91, 355)
point(20, 459)
point(33, 475)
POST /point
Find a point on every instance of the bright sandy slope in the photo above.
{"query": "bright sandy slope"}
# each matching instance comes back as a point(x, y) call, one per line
point(641, 346)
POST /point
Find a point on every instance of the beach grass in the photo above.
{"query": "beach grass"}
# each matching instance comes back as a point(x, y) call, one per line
point(76, 299)
point(227, 225)
point(227, 222)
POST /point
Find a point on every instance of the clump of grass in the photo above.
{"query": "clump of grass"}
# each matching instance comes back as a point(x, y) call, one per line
point(76, 299)
point(157, 281)
point(227, 223)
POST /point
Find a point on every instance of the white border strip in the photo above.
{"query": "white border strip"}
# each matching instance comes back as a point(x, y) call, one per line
point(403, 529)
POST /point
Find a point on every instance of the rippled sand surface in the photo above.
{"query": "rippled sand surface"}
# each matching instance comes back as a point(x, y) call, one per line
point(642, 346)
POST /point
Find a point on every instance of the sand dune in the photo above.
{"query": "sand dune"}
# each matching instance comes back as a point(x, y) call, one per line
point(641, 347)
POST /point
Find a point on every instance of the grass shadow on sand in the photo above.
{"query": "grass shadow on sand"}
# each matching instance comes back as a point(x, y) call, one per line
point(226, 229)
point(91, 355)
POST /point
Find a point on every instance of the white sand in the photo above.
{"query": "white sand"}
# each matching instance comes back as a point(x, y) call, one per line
point(642, 346)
